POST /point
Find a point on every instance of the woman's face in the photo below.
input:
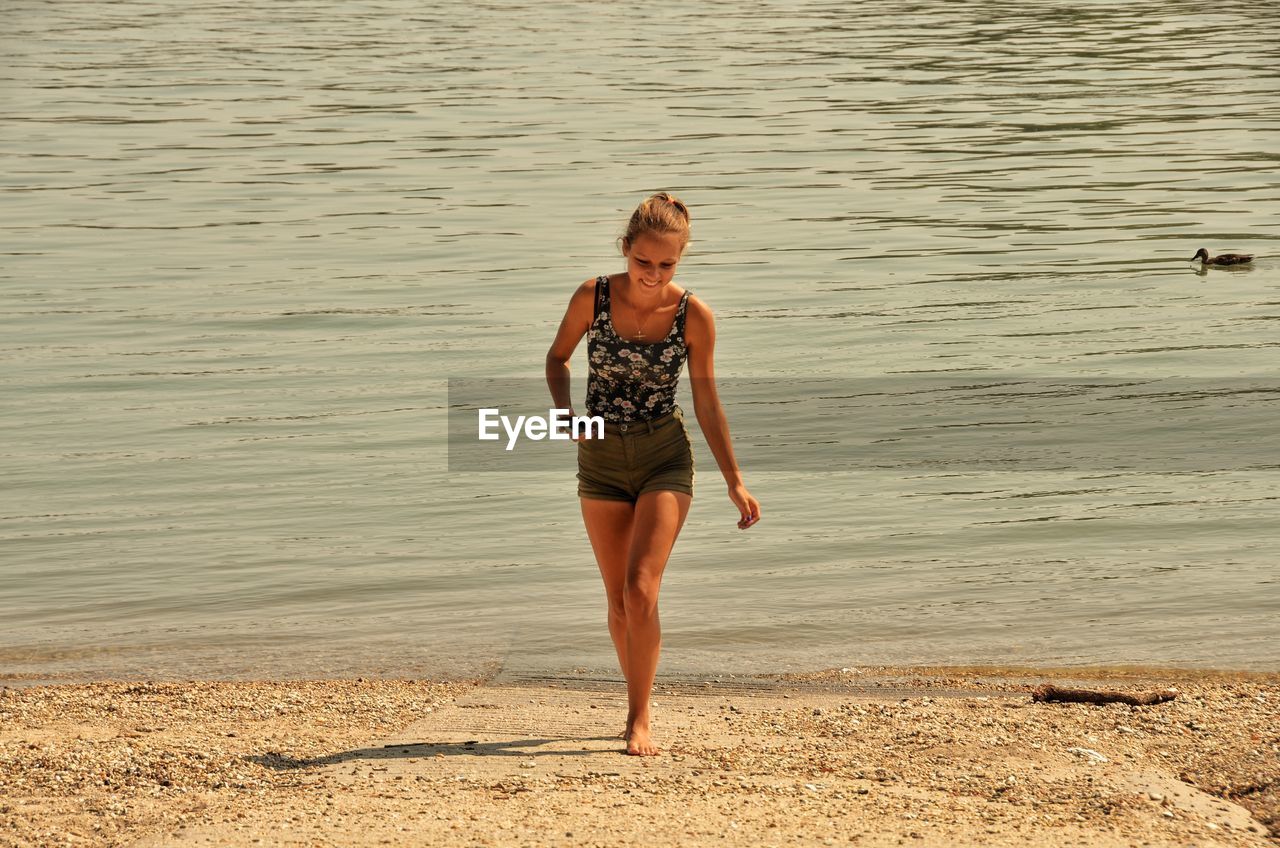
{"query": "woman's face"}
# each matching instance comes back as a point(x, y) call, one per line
point(652, 260)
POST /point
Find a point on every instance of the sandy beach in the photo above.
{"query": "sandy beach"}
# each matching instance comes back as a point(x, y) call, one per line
point(864, 756)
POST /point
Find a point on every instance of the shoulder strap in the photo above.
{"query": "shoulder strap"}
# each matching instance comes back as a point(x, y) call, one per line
point(681, 311)
point(602, 294)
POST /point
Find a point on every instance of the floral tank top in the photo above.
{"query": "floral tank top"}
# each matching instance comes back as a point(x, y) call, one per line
point(632, 381)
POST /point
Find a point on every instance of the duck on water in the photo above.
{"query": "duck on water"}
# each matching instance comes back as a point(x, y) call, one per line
point(1222, 258)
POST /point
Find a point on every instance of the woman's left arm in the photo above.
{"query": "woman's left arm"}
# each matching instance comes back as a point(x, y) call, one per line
point(700, 337)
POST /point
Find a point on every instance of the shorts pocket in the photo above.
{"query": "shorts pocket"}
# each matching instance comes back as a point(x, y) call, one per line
point(673, 450)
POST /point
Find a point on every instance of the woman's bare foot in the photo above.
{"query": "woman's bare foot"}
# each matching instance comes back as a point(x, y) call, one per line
point(626, 734)
point(638, 743)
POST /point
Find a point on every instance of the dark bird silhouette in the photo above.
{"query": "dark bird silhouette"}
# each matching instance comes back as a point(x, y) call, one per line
point(1222, 258)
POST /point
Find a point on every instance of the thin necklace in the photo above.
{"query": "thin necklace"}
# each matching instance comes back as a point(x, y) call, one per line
point(642, 324)
point(645, 323)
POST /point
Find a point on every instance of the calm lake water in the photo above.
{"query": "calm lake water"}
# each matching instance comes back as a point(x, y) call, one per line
point(992, 412)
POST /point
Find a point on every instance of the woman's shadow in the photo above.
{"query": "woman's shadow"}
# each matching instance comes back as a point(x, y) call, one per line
point(420, 750)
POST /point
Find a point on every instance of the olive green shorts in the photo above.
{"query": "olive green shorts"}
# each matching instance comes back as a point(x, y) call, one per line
point(634, 458)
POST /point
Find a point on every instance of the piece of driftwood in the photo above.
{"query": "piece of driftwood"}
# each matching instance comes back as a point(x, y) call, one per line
point(1049, 692)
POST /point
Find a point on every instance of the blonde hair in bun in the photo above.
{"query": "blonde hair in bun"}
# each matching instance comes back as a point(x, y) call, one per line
point(659, 213)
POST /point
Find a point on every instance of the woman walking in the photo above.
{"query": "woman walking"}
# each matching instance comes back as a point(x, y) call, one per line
point(636, 484)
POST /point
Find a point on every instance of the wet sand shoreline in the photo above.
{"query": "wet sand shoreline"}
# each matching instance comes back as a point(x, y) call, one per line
point(866, 756)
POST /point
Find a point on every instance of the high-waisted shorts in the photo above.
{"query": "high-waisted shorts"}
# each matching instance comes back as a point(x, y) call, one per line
point(635, 458)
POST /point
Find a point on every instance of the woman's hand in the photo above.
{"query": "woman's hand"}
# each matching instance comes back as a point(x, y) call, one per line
point(568, 428)
point(748, 507)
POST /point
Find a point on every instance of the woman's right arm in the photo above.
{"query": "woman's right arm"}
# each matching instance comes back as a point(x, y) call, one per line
point(577, 320)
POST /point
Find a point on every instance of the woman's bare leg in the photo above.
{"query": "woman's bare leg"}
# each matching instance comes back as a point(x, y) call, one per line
point(609, 528)
point(656, 524)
